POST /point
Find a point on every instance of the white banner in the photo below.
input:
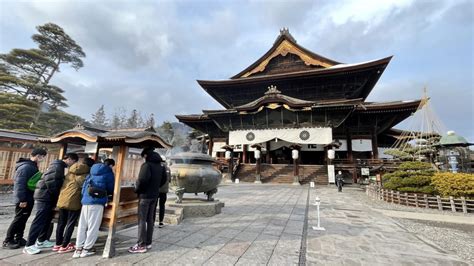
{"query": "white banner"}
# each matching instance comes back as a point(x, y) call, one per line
point(362, 145)
point(292, 135)
point(331, 174)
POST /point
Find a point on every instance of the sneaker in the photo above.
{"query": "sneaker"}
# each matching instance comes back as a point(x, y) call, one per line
point(137, 249)
point(56, 248)
point(31, 250)
point(44, 244)
point(21, 242)
point(10, 244)
point(148, 246)
point(87, 252)
point(69, 248)
point(161, 225)
point(77, 253)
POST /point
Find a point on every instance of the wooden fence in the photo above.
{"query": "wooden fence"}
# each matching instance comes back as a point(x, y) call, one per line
point(9, 157)
point(421, 200)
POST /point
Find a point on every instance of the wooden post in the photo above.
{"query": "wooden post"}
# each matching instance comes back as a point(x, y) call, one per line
point(375, 151)
point(62, 151)
point(416, 200)
point(391, 196)
point(349, 148)
point(210, 146)
point(440, 204)
point(406, 198)
point(464, 206)
point(245, 158)
point(427, 205)
point(453, 206)
point(109, 249)
point(398, 197)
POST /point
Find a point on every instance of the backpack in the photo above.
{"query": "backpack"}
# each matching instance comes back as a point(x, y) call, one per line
point(31, 183)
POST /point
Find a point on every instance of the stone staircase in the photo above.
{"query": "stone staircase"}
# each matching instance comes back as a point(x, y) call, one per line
point(316, 173)
point(283, 173)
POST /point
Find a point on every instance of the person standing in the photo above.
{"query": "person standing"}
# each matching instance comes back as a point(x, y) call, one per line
point(69, 204)
point(162, 196)
point(98, 185)
point(150, 179)
point(339, 181)
point(46, 197)
point(23, 196)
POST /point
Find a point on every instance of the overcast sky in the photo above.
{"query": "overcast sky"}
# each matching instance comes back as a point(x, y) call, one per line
point(147, 55)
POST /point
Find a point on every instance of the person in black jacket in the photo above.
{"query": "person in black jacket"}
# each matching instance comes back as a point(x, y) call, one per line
point(46, 196)
point(151, 177)
point(24, 170)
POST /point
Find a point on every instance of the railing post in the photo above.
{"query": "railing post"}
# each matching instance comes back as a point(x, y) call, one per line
point(398, 197)
point(391, 196)
point(440, 205)
point(406, 198)
point(464, 206)
point(453, 206)
point(427, 205)
point(416, 200)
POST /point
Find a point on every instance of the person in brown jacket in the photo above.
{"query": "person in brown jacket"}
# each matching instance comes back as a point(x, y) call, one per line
point(69, 205)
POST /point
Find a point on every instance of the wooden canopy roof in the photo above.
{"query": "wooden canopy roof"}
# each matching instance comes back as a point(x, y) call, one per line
point(133, 137)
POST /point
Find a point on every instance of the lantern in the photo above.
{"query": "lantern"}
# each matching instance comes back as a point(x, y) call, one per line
point(227, 155)
point(294, 154)
point(331, 154)
point(257, 154)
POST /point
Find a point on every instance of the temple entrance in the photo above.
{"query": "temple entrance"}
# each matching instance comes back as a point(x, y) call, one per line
point(281, 155)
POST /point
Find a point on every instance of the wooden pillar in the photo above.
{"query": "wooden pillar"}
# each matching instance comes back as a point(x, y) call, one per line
point(267, 147)
point(210, 146)
point(62, 150)
point(244, 153)
point(96, 154)
point(349, 148)
point(109, 249)
point(375, 151)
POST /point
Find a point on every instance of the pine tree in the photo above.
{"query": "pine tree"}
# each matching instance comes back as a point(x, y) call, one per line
point(115, 122)
point(167, 131)
point(99, 118)
point(150, 122)
point(133, 119)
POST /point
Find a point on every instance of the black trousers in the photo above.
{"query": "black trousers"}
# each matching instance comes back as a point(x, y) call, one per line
point(146, 220)
point(40, 227)
point(66, 222)
point(17, 227)
point(162, 201)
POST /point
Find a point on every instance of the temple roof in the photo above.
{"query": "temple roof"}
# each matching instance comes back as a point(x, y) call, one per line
point(285, 44)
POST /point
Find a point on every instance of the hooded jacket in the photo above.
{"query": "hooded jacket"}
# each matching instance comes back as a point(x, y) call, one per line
point(70, 196)
point(48, 187)
point(24, 170)
point(151, 177)
point(165, 187)
point(101, 176)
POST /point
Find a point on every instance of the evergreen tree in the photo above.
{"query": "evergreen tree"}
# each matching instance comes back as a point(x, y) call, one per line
point(150, 122)
point(167, 131)
point(115, 122)
point(99, 118)
point(133, 119)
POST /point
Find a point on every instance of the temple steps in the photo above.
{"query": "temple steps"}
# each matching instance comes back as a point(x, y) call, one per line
point(283, 173)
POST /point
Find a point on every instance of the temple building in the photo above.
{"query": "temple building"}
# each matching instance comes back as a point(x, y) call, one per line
point(292, 98)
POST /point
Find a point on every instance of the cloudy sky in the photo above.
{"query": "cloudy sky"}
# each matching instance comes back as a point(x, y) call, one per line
point(147, 55)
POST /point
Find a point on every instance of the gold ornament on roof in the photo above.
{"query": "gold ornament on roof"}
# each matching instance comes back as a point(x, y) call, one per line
point(272, 89)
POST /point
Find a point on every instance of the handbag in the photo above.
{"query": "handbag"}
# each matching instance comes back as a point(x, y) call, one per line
point(96, 192)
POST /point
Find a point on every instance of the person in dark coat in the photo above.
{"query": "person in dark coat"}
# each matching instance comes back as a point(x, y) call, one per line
point(24, 170)
point(46, 196)
point(151, 177)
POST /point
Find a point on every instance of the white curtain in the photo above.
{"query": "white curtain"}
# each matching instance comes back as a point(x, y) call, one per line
point(292, 135)
point(362, 145)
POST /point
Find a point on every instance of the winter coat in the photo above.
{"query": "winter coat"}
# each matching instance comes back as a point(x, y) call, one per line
point(70, 196)
point(24, 170)
point(165, 188)
point(49, 186)
point(339, 178)
point(101, 176)
point(151, 177)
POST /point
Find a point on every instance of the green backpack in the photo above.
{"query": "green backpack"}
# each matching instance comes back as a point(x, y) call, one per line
point(31, 184)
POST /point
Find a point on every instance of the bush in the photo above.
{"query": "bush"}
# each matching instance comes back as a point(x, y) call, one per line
point(410, 177)
point(424, 189)
point(415, 166)
point(454, 184)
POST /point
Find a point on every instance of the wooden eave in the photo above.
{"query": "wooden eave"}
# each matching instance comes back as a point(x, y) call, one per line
point(389, 106)
point(282, 46)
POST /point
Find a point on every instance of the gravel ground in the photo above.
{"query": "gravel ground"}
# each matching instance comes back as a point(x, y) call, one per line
point(457, 238)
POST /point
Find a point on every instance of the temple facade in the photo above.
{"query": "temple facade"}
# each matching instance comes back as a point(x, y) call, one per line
point(293, 99)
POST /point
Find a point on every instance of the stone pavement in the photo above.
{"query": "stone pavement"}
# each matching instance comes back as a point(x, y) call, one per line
point(265, 225)
point(358, 235)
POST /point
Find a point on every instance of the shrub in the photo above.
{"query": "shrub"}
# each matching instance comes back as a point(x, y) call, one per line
point(410, 177)
point(415, 165)
point(454, 184)
point(423, 189)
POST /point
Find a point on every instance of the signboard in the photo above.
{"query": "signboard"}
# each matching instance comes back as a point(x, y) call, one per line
point(365, 171)
point(91, 147)
point(331, 174)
